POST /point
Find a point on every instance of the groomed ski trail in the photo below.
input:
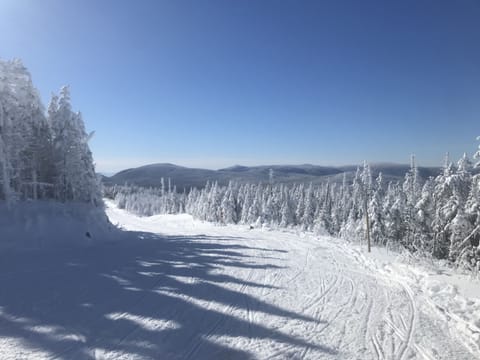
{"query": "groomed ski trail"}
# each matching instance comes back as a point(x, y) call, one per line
point(183, 289)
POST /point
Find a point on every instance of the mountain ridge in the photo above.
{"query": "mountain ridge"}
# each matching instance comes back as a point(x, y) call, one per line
point(185, 177)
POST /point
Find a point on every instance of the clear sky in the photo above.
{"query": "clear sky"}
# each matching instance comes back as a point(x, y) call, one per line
point(216, 83)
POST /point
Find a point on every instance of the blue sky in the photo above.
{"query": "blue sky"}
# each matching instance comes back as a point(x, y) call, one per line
point(216, 83)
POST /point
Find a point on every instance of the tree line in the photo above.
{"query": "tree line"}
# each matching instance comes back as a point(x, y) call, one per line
point(438, 216)
point(43, 154)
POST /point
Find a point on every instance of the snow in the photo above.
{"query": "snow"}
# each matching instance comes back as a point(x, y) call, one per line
point(452, 295)
point(39, 224)
point(178, 288)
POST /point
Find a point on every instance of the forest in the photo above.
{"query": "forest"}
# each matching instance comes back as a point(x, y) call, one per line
point(436, 217)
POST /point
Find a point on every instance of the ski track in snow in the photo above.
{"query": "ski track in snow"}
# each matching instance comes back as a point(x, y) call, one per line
point(182, 289)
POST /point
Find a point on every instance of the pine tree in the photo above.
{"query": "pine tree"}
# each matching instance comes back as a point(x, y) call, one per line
point(424, 215)
point(375, 211)
point(459, 230)
point(228, 207)
point(75, 177)
point(287, 216)
point(308, 216)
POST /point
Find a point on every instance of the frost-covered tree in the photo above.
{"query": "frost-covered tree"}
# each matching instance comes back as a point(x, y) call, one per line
point(21, 115)
point(411, 188)
point(286, 213)
point(308, 213)
point(42, 154)
point(228, 207)
point(440, 218)
point(459, 230)
point(75, 177)
point(376, 214)
point(424, 215)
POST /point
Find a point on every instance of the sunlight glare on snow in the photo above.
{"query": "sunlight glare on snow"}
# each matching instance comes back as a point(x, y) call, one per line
point(57, 333)
point(145, 322)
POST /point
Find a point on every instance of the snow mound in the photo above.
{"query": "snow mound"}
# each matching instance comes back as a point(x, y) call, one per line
point(33, 224)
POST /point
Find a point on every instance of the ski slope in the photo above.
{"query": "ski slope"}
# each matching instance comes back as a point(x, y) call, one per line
point(176, 288)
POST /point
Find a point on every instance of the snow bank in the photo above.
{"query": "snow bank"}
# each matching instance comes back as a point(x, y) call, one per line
point(452, 295)
point(33, 224)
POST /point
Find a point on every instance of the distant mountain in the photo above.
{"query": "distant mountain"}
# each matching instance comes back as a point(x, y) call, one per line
point(151, 175)
point(185, 178)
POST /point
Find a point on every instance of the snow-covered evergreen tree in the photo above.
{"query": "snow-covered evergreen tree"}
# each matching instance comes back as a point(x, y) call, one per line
point(41, 155)
point(75, 177)
point(376, 214)
point(440, 218)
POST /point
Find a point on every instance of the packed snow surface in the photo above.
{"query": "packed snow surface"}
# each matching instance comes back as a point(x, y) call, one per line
point(47, 224)
point(177, 288)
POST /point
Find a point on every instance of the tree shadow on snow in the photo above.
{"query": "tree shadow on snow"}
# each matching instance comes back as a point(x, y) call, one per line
point(148, 297)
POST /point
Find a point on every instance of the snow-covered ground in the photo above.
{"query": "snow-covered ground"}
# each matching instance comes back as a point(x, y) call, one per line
point(46, 224)
point(177, 288)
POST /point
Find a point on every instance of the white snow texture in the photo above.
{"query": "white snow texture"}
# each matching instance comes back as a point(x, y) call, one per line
point(178, 288)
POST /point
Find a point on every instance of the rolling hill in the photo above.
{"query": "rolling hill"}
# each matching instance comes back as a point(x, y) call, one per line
point(185, 178)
